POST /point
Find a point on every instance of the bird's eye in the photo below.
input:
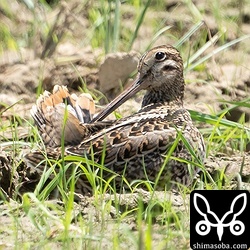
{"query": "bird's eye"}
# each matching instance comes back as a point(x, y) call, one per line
point(160, 56)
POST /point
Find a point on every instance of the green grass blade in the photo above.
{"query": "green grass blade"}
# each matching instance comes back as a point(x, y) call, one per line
point(116, 31)
point(156, 36)
point(213, 120)
point(235, 104)
point(218, 50)
point(138, 25)
point(188, 34)
point(193, 9)
point(212, 41)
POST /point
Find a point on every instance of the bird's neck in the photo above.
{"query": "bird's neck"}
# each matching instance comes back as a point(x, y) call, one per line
point(164, 96)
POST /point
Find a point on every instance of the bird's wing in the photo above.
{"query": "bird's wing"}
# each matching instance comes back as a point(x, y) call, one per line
point(135, 136)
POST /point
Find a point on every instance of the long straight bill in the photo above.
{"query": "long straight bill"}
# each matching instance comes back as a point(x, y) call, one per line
point(119, 100)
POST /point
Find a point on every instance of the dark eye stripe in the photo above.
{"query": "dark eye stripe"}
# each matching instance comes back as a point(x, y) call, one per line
point(168, 67)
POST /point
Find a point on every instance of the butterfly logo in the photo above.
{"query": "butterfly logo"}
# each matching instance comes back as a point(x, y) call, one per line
point(203, 227)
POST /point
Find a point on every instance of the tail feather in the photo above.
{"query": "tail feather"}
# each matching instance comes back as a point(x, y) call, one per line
point(84, 107)
point(61, 115)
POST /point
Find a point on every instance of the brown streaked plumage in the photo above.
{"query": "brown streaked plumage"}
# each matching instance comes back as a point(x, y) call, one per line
point(135, 146)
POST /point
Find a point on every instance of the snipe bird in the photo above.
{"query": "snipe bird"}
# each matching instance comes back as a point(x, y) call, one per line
point(135, 146)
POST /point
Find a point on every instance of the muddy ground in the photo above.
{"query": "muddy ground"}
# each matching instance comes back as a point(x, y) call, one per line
point(225, 77)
